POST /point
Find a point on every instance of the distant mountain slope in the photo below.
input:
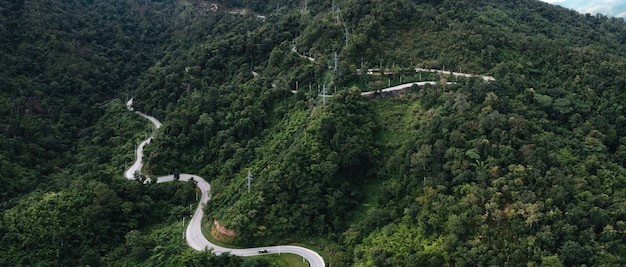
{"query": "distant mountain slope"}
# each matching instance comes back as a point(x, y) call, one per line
point(605, 7)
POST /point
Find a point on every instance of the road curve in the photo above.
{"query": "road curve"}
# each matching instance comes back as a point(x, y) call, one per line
point(394, 88)
point(193, 235)
point(402, 87)
point(293, 49)
point(408, 85)
point(442, 72)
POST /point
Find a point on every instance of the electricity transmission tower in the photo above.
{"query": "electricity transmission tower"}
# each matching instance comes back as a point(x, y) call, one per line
point(249, 180)
point(324, 95)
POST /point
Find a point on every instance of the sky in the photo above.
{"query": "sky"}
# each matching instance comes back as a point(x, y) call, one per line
point(615, 8)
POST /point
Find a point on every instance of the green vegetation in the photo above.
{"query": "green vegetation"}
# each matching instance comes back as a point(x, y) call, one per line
point(284, 259)
point(528, 169)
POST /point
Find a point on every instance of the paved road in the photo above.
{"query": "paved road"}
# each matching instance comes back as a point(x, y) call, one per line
point(194, 236)
point(408, 85)
point(402, 87)
point(393, 88)
point(486, 78)
point(293, 49)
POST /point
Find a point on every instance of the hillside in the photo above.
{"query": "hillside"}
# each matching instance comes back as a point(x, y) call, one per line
point(527, 169)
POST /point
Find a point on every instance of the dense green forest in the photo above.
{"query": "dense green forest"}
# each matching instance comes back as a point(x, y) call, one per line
point(528, 169)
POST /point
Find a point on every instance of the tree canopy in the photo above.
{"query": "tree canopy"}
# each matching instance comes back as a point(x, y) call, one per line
point(526, 169)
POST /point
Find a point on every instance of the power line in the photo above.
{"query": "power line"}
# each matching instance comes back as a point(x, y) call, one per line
point(227, 202)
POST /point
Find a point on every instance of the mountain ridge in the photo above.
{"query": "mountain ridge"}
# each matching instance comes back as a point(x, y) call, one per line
point(608, 8)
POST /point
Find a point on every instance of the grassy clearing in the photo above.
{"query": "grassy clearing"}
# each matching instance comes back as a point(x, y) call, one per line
point(284, 259)
point(397, 117)
point(371, 192)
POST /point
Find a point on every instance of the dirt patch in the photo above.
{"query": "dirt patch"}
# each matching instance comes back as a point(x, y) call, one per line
point(220, 232)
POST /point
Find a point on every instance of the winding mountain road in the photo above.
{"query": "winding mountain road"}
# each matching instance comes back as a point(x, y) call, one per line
point(193, 235)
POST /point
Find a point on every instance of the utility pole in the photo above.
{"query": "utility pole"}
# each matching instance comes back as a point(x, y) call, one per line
point(249, 180)
point(336, 59)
